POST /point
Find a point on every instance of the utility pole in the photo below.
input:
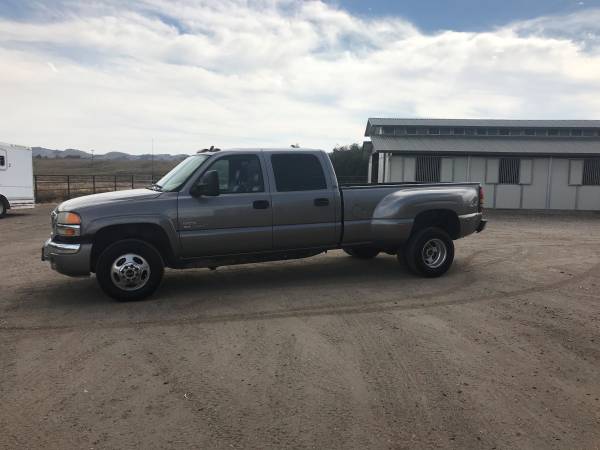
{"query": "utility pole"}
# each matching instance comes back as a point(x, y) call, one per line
point(92, 160)
point(152, 160)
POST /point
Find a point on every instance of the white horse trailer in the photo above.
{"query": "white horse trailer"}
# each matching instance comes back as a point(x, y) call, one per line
point(16, 178)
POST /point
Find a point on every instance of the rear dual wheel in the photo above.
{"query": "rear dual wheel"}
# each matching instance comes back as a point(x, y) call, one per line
point(429, 252)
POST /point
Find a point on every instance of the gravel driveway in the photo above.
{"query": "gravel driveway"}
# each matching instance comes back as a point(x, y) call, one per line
point(327, 352)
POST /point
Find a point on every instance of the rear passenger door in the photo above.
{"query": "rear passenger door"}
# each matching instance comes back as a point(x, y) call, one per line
point(304, 208)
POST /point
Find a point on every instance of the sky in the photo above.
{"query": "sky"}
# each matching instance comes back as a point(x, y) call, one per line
point(115, 76)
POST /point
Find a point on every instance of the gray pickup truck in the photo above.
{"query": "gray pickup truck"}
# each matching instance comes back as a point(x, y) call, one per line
point(229, 207)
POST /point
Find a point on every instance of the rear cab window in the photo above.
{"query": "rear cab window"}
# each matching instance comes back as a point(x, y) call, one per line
point(2, 159)
point(298, 172)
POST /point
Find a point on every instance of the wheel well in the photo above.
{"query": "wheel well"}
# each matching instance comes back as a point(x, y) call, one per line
point(5, 201)
point(445, 219)
point(151, 233)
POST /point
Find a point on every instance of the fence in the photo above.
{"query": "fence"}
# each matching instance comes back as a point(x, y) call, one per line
point(50, 188)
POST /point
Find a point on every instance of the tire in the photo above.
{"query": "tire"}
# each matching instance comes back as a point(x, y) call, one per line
point(3, 208)
point(362, 252)
point(429, 252)
point(129, 270)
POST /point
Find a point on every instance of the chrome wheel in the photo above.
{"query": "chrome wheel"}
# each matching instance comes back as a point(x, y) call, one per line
point(130, 272)
point(434, 253)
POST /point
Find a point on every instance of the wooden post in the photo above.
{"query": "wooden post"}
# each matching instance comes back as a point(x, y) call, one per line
point(68, 186)
point(94, 184)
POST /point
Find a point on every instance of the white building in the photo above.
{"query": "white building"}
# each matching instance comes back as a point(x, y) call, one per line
point(522, 164)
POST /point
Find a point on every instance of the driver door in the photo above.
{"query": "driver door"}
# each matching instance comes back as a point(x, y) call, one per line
point(238, 220)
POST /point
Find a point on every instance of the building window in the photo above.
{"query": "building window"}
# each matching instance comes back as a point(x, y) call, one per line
point(564, 132)
point(445, 131)
point(434, 131)
point(411, 131)
point(529, 132)
point(577, 132)
point(399, 131)
point(421, 130)
point(459, 131)
point(388, 131)
point(552, 132)
point(516, 132)
point(504, 131)
point(482, 131)
point(591, 172)
point(588, 133)
point(428, 169)
point(509, 170)
point(295, 172)
point(470, 131)
point(492, 132)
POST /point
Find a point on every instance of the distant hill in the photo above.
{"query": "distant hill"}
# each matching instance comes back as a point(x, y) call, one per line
point(71, 153)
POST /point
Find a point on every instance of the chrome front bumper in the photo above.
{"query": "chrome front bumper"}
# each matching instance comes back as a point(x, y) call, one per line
point(68, 259)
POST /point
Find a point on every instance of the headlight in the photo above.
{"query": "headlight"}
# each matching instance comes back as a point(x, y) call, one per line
point(68, 224)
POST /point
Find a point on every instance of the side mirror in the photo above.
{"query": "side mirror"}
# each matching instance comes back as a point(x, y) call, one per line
point(209, 185)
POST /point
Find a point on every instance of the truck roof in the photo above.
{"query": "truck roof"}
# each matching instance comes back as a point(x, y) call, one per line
point(259, 149)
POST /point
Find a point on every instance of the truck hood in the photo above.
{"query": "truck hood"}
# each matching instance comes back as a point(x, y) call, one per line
point(107, 197)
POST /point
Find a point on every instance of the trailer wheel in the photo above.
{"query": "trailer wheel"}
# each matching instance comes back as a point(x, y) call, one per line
point(3, 207)
point(429, 252)
point(362, 252)
point(129, 270)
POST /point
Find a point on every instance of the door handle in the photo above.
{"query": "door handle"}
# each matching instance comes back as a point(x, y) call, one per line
point(260, 204)
point(321, 202)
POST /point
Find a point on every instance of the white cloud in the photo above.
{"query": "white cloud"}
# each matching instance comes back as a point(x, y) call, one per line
point(272, 73)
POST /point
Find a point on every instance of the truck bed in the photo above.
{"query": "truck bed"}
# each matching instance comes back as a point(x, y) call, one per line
point(369, 209)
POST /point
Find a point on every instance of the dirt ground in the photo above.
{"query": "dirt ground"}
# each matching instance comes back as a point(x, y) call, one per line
point(328, 352)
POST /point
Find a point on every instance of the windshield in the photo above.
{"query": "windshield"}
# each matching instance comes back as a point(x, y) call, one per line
point(173, 180)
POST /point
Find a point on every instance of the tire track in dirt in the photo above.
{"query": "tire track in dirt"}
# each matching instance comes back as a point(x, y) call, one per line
point(467, 276)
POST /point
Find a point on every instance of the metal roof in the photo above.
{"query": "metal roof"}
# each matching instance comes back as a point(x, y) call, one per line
point(374, 121)
point(487, 145)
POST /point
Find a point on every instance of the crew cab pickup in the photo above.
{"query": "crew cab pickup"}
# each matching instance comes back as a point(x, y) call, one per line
point(229, 207)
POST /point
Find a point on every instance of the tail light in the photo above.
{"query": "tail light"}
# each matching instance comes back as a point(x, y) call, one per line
point(481, 199)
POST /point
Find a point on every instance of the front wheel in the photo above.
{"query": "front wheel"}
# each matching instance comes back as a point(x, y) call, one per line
point(2, 208)
point(429, 252)
point(129, 270)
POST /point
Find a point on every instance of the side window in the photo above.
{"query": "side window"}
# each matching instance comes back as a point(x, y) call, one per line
point(298, 173)
point(591, 172)
point(2, 160)
point(428, 169)
point(239, 174)
point(509, 170)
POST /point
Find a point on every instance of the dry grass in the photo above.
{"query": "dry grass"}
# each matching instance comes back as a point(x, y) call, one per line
point(60, 179)
point(99, 167)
